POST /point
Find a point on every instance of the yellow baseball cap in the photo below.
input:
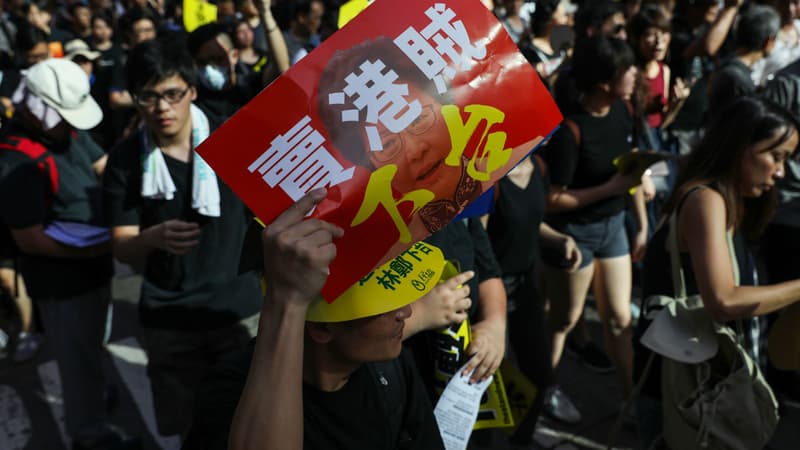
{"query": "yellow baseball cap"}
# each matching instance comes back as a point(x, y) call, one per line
point(394, 284)
point(397, 283)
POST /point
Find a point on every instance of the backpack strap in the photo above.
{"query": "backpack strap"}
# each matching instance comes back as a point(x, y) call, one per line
point(38, 154)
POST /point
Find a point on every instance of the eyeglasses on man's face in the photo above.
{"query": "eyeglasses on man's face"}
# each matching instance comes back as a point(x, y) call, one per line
point(151, 98)
point(393, 142)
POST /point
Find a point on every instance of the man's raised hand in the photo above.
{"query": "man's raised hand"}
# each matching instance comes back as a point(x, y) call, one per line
point(297, 252)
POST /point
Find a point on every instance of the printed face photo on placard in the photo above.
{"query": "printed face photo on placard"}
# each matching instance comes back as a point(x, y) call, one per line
point(405, 122)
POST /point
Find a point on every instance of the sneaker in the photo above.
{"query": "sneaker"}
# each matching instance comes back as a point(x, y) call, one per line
point(27, 346)
point(590, 356)
point(558, 406)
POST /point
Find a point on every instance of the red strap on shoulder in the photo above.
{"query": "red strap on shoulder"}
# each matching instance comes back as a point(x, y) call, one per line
point(38, 153)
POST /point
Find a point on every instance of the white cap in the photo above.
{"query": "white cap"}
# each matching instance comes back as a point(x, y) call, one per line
point(77, 47)
point(64, 86)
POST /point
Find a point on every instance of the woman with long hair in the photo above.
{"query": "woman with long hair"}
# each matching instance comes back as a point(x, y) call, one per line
point(657, 94)
point(726, 186)
point(252, 60)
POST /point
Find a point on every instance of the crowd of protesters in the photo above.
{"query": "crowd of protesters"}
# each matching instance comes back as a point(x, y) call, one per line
point(104, 103)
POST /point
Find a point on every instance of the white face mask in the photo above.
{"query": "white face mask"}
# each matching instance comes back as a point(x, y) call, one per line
point(214, 78)
point(48, 116)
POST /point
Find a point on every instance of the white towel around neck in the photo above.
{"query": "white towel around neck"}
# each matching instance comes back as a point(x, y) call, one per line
point(157, 182)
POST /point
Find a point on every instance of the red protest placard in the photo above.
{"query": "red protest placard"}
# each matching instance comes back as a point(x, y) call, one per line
point(406, 115)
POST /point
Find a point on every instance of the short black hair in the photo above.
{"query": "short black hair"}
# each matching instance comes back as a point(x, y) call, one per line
point(592, 15)
point(29, 36)
point(600, 59)
point(649, 16)
point(756, 25)
point(134, 15)
point(542, 16)
point(75, 6)
point(158, 59)
point(208, 32)
point(302, 7)
point(103, 15)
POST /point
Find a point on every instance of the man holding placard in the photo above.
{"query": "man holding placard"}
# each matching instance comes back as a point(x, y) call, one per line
point(322, 375)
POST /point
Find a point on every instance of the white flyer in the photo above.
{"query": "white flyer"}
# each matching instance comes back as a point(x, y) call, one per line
point(457, 410)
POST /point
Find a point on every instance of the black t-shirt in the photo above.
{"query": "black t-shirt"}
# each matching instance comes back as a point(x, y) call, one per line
point(27, 199)
point(201, 289)
point(366, 414)
point(10, 81)
point(103, 72)
point(565, 90)
point(121, 118)
point(694, 70)
point(514, 225)
point(591, 163)
point(219, 106)
point(466, 241)
point(730, 82)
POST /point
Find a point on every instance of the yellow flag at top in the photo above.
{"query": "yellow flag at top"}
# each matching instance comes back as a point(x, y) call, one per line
point(351, 9)
point(197, 13)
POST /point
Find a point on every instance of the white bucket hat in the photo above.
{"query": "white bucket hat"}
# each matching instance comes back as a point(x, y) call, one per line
point(64, 86)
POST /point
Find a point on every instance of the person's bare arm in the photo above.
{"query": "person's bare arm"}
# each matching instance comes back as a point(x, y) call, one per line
point(445, 304)
point(561, 198)
point(640, 213)
point(131, 245)
point(99, 166)
point(120, 100)
point(702, 227)
point(556, 240)
point(297, 255)
point(33, 241)
point(276, 45)
point(488, 344)
point(710, 42)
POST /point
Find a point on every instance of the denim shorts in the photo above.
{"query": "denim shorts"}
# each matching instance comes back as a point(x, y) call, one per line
point(604, 238)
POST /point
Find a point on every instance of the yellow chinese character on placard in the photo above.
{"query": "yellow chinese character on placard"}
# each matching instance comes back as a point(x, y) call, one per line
point(491, 153)
point(379, 192)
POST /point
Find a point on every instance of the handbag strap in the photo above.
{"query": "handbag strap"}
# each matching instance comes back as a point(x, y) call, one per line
point(678, 277)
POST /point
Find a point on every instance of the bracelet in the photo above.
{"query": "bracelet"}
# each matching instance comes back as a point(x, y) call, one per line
point(270, 30)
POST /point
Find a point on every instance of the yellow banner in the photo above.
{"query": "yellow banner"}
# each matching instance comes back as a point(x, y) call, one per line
point(350, 10)
point(450, 344)
point(197, 13)
point(495, 410)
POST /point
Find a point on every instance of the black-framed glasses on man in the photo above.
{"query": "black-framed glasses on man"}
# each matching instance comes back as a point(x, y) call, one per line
point(151, 98)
